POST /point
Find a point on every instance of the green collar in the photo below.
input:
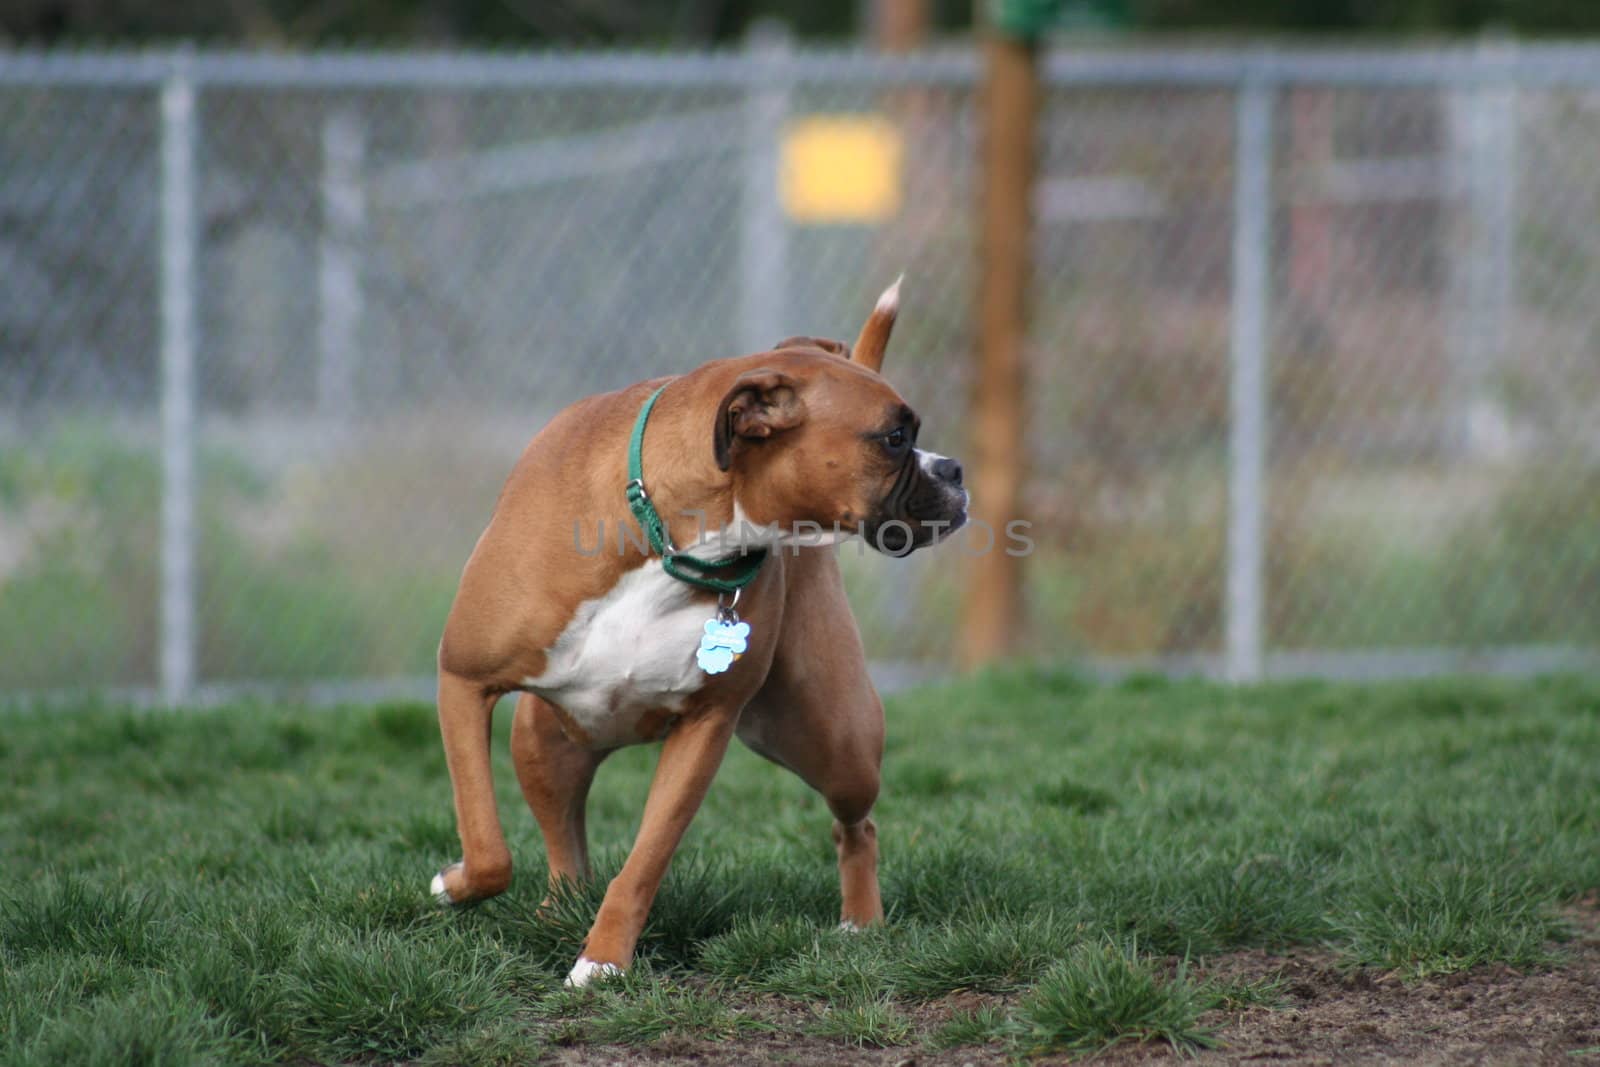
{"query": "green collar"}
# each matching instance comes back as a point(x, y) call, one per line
point(680, 565)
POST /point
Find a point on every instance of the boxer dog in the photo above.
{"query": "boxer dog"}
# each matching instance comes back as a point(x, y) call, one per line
point(751, 463)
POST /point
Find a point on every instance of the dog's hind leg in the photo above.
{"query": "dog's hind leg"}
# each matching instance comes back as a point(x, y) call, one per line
point(555, 773)
point(836, 748)
point(466, 711)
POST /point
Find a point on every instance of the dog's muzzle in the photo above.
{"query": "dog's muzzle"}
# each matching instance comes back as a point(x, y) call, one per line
point(926, 504)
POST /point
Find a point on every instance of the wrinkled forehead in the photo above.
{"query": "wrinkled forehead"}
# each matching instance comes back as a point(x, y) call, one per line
point(860, 397)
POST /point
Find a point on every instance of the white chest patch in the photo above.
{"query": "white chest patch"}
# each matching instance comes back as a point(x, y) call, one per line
point(629, 652)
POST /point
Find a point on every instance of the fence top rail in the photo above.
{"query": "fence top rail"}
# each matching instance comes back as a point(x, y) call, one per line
point(1533, 65)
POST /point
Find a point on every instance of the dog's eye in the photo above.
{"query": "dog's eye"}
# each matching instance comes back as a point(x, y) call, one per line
point(895, 441)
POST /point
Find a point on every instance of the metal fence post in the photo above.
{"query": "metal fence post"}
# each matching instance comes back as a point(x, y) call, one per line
point(1252, 257)
point(177, 383)
point(764, 234)
point(1482, 123)
point(339, 299)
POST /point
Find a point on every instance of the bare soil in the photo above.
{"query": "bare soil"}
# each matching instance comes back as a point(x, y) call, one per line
point(1327, 1014)
point(1330, 1015)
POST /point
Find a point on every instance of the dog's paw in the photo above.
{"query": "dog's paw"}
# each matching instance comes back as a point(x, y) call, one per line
point(441, 895)
point(587, 970)
point(848, 926)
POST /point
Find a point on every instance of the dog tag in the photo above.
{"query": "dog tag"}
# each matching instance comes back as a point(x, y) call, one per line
point(724, 641)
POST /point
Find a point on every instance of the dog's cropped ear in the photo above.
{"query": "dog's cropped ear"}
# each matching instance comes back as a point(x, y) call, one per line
point(836, 348)
point(874, 338)
point(760, 404)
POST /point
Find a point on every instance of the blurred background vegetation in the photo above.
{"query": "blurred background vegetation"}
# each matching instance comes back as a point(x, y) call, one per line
point(333, 555)
point(531, 23)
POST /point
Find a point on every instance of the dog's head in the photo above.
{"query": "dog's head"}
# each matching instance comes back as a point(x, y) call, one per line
point(818, 442)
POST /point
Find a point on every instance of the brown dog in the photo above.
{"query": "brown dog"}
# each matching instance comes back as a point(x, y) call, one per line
point(743, 460)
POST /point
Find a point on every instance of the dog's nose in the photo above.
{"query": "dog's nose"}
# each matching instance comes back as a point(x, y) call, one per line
point(947, 470)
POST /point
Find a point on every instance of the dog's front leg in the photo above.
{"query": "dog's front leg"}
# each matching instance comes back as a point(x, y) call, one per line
point(689, 760)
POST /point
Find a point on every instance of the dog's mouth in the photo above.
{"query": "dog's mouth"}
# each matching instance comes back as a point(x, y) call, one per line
point(901, 536)
point(922, 508)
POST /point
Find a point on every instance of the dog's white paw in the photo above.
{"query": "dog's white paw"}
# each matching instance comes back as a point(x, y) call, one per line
point(849, 927)
point(441, 895)
point(587, 970)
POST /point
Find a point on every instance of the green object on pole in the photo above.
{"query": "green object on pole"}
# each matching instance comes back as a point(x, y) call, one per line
point(1029, 19)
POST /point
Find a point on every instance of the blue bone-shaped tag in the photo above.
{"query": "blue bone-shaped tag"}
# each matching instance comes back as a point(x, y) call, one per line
point(722, 643)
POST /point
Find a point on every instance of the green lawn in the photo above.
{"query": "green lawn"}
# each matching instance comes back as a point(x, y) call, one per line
point(250, 884)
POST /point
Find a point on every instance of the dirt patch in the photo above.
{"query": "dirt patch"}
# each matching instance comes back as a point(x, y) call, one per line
point(1329, 1014)
point(788, 1043)
point(1326, 1014)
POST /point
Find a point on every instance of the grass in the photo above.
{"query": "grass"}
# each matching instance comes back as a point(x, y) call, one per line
point(641, 1007)
point(869, 1023)
point(976, 1027)
point(249, 885)
point(1102, 995)
point(1241, 994)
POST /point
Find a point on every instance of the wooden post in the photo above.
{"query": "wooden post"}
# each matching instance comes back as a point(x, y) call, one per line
point(899, 25)
point(994, 608)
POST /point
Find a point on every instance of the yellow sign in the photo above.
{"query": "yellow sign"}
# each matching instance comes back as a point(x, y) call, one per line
point(841, 168)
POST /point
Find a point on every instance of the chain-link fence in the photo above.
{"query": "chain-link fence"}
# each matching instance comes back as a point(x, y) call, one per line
point(1313, 348)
